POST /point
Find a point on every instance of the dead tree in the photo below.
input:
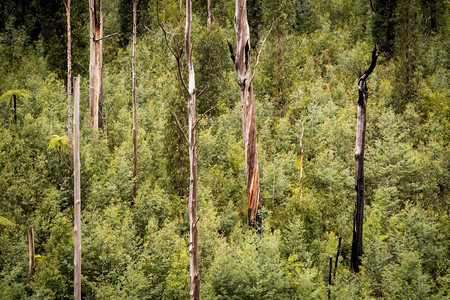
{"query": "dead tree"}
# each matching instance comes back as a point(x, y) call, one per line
point(194, 276)
point(134, 104)
point(241, 61)
point(69, 79)
point(76, 192)
point(193, 236)
point(96, 63)
point(358, 217)
point(31, 263)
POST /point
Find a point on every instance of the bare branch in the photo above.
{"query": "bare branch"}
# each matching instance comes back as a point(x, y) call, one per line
point(260, 50)
point(201, 92)
point(178, 123)
point(105, 37)
point(207, 111)
point(162, 27)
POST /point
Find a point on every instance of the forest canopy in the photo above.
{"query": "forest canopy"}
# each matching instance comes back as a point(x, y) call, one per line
point(311, 55)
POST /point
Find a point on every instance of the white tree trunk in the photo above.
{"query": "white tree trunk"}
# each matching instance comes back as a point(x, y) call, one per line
point(193, 230)
point(76, 193)
point(96, 63)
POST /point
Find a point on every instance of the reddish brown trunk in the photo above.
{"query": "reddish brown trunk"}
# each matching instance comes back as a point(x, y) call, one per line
point(69, 81)
point(134, 105)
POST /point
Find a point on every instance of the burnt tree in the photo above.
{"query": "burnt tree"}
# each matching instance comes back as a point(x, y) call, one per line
point(358, 217)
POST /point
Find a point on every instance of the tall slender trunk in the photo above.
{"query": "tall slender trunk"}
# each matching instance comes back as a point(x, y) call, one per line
point(31, 263)
point(134, 104)
point(96, 63)
point(15, 108)
point(76, 193)
point(244, 78)
point(358, 218)
point(208, 21)
point(193, 230)
point(69, 81)
point(301, 165)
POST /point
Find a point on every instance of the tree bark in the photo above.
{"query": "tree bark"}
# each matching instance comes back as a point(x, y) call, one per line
point(358, 217)
point(69, 80)
point(329, 277)
point(15, 108)
point(301, 165)
point(244, 78)
point(96, 63)
point(208, 21)
point(31, 263)
point(337, 257)
point(77, 195)
point(193, 230)
point(134, 105)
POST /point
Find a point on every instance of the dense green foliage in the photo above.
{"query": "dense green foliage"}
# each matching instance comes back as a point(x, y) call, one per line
point(307, 74)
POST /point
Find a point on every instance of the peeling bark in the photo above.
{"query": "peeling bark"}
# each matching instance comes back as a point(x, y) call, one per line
point(244, 78)
point(193, 230)
point(208, 21)
point(69, 80)
point(96, 63)
point(358, 217)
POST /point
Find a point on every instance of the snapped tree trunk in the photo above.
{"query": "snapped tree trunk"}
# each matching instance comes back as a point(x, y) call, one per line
point(69, 80)
point(76, 192)
point(134, 104)
point(31, 263)
point(96, 63)
point(358, 217)
point(244, 79)
point(193, 230)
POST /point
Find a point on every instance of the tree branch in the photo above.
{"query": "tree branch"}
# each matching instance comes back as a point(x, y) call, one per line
point(105, 37)
point(201, 92)
point(260, 50)
point(178, 123)
point(207, 111)
point(175, 52)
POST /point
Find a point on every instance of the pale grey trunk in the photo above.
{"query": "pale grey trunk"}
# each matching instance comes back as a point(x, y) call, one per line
point(31, 263)
point(69, 81)
point(96, 63)
point(193, 230)
point(134, 104)
point(76, 193)
point(208, 21)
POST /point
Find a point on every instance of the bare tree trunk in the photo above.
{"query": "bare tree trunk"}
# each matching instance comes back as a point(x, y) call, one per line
point(208, 22)
point(329, 277)
point(244, 78)
point(193, 230)
point(15, 108)
point(134, 104)
point(31, 263)
point(76, 193)
point(96, 63)
point(69, 80)
point(301, 165)
point(358, 217)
